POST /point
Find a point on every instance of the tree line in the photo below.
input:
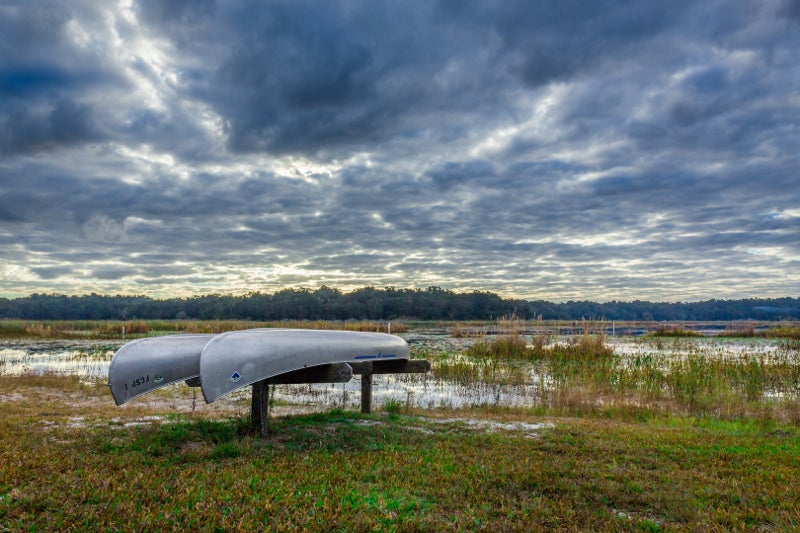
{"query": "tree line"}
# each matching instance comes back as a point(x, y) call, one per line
point(433, 303)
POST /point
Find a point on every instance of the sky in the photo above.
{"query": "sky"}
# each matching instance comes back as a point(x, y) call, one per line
point(557, 150)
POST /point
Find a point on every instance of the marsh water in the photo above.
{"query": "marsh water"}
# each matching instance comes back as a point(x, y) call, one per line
point(514, 383)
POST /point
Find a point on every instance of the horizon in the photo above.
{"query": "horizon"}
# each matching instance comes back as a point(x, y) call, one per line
point(541, 151)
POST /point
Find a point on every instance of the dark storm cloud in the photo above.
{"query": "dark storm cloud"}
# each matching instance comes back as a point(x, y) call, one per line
point(314, 76)
point(65, 124)
point(790, 9)
point(553, 41)
point(545, 149)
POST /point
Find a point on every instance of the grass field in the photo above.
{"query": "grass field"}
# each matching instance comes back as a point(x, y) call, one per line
point(71, 460)
point(684, 433)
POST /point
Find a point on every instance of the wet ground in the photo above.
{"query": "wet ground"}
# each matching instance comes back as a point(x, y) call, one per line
point(90, 359)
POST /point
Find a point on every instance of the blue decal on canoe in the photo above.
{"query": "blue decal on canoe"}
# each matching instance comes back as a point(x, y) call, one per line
point(378, 356)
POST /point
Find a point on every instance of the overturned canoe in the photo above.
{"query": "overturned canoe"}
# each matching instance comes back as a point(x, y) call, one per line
point(144, 365)
point(234, 360)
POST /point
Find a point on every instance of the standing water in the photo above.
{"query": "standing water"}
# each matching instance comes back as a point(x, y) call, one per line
point(457, 380)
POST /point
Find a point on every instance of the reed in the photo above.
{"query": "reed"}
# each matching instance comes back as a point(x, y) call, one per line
point(582, 347)
point(471, 372)
point(511, 344)
point(696, 385)
point(110, 329)
point(582, 372)
point(464, 331)
point(784, 332)
point(673, 331)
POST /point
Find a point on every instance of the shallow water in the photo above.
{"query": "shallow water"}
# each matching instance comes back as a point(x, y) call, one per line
point(90, 359)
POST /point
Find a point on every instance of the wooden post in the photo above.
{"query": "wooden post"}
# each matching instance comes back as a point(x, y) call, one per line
point(259, 408)
point(366, 393)
point(365, 369)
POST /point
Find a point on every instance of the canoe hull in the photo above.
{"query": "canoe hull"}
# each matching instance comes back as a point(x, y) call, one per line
point(144, 365)
point(234, 360)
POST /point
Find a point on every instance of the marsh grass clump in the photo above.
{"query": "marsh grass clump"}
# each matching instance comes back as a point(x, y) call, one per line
point(791, 345)
point(393, 407)
point(582, 372)
point(465, 330)
point(745, 331)
point(510, 344)
point(501, 347)
point(583, 347)
point(730, 388)
point(784, 332)
point(674, 331)
point(474, 373)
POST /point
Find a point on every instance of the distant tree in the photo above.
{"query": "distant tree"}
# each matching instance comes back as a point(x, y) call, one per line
point(433, 303)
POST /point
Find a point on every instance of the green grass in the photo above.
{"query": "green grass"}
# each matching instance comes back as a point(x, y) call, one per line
point(652, 442)
point(341, 471)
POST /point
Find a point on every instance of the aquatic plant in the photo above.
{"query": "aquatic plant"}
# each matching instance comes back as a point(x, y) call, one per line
point(784, 332)
point(673, 331)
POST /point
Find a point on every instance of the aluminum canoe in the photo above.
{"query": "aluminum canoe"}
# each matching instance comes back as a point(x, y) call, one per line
point(234, 360)
point(144, 365)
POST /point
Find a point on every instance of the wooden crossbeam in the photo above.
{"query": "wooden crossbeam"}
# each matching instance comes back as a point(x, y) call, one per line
point(391, 366)
point(330, 373)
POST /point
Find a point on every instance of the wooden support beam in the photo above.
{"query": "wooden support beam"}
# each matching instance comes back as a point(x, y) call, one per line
point(392, 366)
point(193, 382)
point(330, 373)
point(342, 372)
point(259, 408)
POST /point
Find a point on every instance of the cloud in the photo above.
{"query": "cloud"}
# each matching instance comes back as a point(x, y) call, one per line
point(48, 273)
point(545, 150)
point(66, 123)
point(790, 9)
